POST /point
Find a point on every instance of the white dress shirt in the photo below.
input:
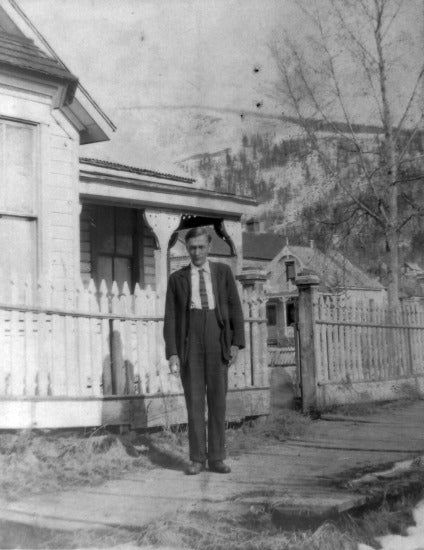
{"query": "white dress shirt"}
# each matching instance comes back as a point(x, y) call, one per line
point(195, 293)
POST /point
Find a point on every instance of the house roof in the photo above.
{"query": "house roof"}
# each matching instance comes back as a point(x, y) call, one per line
point(19, 52)
point(23, 48)
point(133, 169)
point(333, 269)
point(261, 246)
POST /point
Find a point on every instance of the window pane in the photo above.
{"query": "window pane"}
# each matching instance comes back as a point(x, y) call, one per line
point(122, 271)
point(17, 243)
point(104, 271)
point(124, 231)
point(105, 229)
point(290, 271)
point(17, 191)
point(271, 314)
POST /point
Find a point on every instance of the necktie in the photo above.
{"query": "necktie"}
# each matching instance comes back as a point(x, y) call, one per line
point(202, 290)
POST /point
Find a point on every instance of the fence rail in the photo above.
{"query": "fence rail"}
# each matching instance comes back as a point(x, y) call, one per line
point(94, 342)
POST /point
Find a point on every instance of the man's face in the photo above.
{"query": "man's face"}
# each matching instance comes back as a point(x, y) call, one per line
point(198, 249)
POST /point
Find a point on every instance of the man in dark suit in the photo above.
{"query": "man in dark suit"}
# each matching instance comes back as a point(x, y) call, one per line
point(203, 331)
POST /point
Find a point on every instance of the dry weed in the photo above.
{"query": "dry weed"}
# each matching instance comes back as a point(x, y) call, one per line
point(33, 463)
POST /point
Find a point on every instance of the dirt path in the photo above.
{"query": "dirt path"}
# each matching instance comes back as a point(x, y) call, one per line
point(307, 473)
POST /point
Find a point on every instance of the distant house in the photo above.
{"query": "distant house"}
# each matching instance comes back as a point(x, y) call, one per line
point(337, 276)
point(270, 253)
point(411, 281)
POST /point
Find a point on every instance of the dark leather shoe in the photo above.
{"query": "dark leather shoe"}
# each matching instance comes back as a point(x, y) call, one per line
point(219, 467)
point(194, 468)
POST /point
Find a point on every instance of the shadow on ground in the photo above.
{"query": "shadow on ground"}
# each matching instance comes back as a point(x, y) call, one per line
point(162, 453)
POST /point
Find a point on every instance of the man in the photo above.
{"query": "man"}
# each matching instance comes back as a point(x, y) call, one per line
point(203, 331)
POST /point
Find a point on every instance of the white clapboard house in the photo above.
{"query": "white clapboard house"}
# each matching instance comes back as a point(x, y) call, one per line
point(84, 247)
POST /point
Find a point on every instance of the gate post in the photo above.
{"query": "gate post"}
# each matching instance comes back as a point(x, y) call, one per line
point(254, 302)
point(307, 284)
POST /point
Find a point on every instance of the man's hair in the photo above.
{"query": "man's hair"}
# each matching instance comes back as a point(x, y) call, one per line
point(197, 232)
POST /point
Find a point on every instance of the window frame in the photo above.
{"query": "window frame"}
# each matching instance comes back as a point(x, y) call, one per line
point(290, 264)
point(273, 306)
point(32, 214)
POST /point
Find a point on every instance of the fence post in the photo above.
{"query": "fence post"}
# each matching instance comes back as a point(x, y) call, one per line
point(307, 285)
point(253, 285)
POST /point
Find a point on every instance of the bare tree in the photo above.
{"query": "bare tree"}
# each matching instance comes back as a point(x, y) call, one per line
point(354, 67)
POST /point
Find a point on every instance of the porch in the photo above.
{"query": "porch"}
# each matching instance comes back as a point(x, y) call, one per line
point(87, 349)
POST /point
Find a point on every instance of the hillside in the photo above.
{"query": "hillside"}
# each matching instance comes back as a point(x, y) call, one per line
point(297, 200)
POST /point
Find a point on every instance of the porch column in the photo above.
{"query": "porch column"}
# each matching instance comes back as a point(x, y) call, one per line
point(234, 231)
point(163, 225)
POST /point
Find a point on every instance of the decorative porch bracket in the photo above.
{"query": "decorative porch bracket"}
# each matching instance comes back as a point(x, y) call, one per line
point(163, 225)
point(232, 232)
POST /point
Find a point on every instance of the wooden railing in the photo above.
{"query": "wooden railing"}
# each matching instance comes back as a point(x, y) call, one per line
point(93, 342)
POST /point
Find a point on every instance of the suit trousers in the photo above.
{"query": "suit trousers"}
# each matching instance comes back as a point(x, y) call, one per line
point(205, 375)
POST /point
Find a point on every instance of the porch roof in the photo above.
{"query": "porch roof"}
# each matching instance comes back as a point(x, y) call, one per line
point(107, 182)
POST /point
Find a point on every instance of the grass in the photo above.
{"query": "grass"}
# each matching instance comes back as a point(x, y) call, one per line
point(34, 463)
point(206, 531)
point(254, 530)
point(373, 407)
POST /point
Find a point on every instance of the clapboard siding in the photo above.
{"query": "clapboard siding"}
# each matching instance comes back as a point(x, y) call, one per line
point(61, 196)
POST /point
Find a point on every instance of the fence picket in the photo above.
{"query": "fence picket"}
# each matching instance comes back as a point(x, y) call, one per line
point(84, 373)
point(322, 340)
point(153, 382)
point(58, 372)
point(30, 341)
point(247, 352)
point(94, 386)
point(141, 336)
point(17, 363)
point(105, 332)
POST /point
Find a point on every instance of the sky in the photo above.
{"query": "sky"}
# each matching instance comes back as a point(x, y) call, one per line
point(145, 62)
point(164, 52)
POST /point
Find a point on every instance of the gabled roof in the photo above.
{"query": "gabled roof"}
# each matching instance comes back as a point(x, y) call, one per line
point(19, 52)
point(333, 269)
point(262, 246)
point(29, 51)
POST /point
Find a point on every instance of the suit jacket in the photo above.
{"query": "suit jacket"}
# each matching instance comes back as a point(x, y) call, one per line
point(227, 307)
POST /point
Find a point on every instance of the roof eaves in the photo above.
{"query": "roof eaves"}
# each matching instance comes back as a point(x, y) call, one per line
point(133, 169)
point(45, 44)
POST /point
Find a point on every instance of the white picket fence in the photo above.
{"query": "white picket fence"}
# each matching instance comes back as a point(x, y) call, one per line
point(363, 342)
point(93, 342)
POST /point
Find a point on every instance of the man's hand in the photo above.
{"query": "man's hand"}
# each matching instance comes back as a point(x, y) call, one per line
point(174, 365)
point(233, 355)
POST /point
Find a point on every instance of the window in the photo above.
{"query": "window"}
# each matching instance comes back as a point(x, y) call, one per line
point(290, 314)
point(290, 271)
point(271, 315)
point(18, 192)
